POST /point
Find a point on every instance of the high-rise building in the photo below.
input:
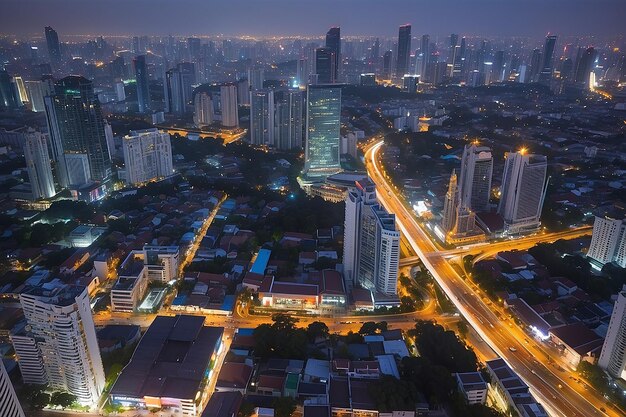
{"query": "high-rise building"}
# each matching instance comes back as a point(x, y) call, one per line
point(37, 90)
point(60, 339)
point(523, 190)
point(228, 105)
point(178, 86)
point(371, 242)
point(425, 53)
point(8, 95)
point(288, 117)
point(323, 123)
point(448, 222)
point(143, 87)
point(54, 48)
point(262, 117)
point(410, 82)
point(333, 42)
point(608, 243)
point(76, 128)
point(387, 59)
point(585, 66)
point(325, 65)
point(256, 78)
point(9, 404)
point(613, 355)
point(404, 50)
point(475, 177)
point(38, 164)
point(147, 156)
point(545, 75)
point(203, 114)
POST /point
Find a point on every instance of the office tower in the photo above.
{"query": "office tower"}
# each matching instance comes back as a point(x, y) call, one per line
point(323, 121)
point(203, 114)
point(256, 78)
point(368, 80)
point(523, 190)
point(120, 92)
point(37, 90)
point(147, 156)
point(325, 65)
point(425, 54)
point(9, 404)
point(178, 86)
point(54, 48)
point(404, 50)
point(608, 243)
point(20, 90)
point(60, 339)
point(333, 42)
point(76, 130)
point(387, 58)
point(409, 83)
point(545, 75)
point(452, 54)
point(289, 120)
point(585, 66)
point(302, 71)
point(38, 164)
point(8, 95)
point(497, 68)
point(262, 117)
point(108, 134)
point(535, 65)
point(448, 221)
point(475, 177)
point(243, 92)
point(613, 354)
point(143, 87)
point(228, 105)
point(194, 46)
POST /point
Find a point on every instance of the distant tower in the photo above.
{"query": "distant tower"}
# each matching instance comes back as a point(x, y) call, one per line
point(289, 119)
point(450, 205)
point(178, 86)
point(54, 48)
point(404, 50)
point(228, 104)
point(475, 178)
point(203, 110)
point(548, 57)
point(262, 117)
point(333, 42)
point(523, 190)
point(38, 165)
point(143, 88)
point(323, 123)
point(325, 65)
point(256, 78)
point(613, 354)
point(387, 58)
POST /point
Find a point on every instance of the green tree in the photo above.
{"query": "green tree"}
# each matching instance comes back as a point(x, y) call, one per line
point(62, 399)
point(443, 347)
point(246, 409)
point(284, 406)
point(34, 396)
point(391, 394)
point(317, 329)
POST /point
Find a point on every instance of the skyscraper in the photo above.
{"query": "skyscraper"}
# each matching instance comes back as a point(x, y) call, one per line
point(203, 114)
point(450, 204)
point(147, 156)
point(262, 117)
point(38, 164)
point(475, 177)
point(404, 50)
point(523, 190)
point(178, 86)
point(613, 355)
point(37, 90)
point(256, 78)
point(76, 129)
point(9, 404)
point(8, 95)
point(425, 54)
point(228, 105)
point(143, 88)
point(387, 58)
point(323, 122)
point(608, 243)
point(333, 42)
point(54, 48)
point(288, 118)
point(545, 75)
point(325, 64)
point(60, 335)
point(585, 66)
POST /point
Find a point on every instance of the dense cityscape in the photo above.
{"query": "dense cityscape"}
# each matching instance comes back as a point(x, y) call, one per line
point(326, 224)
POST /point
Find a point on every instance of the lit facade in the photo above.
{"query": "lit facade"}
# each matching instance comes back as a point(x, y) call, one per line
point(147, 155)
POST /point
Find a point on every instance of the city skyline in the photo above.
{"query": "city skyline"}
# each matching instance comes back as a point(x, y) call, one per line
point(240, 17)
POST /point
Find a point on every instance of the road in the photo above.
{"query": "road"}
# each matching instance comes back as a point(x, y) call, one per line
point(560, 395)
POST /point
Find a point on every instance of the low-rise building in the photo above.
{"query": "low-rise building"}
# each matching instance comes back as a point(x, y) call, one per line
point(131, 284)
point(473, 387)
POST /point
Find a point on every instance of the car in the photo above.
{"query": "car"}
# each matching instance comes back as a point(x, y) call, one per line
point(512, 349)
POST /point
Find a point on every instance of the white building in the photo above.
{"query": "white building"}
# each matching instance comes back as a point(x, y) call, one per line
point(262, 117)
point(523, 190)
point(475, 177)
point(161, 262)
point(60, 321)
point(203, 114)
point(473, 387)
point(131, 284)
point(147, 155)
point(228, 105)
point(608, 243)
point(289, 119)
point(613, 355)
point(38, 164)
point(9, 404)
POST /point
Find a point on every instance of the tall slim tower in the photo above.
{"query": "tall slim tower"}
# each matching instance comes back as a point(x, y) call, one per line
point(448, 221)
point(523, 190)
point(404, 50)
point(288, 117)
point(60, 323)
point(262, 117)
point(228, 105)
point(204, 113)
point(325, 65)
point(143, 88)
point(178, 86)
point(333, 42)
point(613, 355)
point(548, 58)
point(608, 242)
point(323, 123)
point(475, 181)
point(38, 164)
point(76, 129)
point(54, 48)
point(9, 404)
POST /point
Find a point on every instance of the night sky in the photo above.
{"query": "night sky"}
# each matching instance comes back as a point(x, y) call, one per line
point(312, 17)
